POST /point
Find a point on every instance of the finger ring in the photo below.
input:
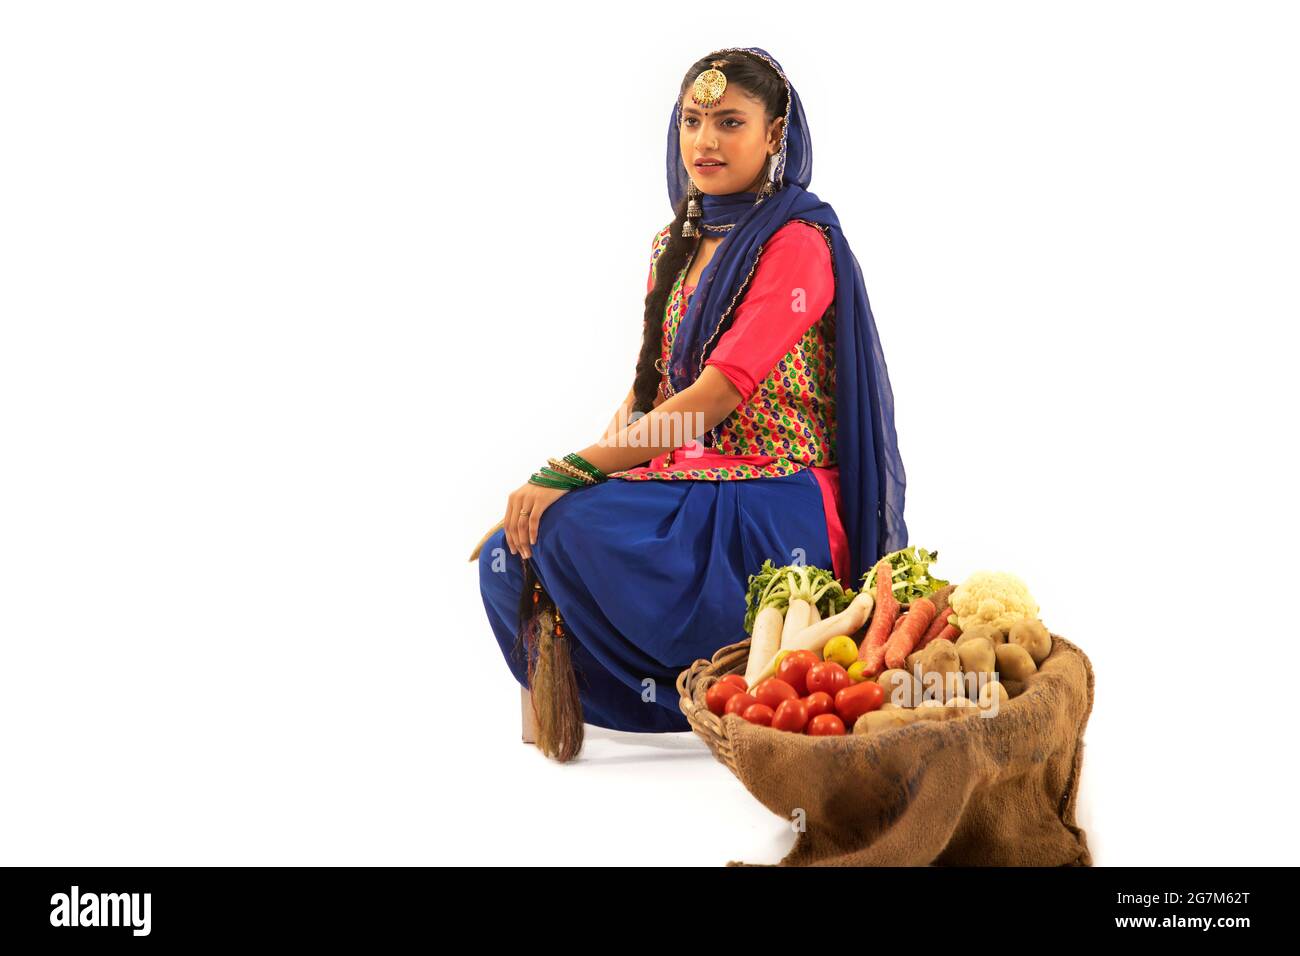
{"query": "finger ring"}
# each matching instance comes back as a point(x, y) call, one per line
point(523, 514)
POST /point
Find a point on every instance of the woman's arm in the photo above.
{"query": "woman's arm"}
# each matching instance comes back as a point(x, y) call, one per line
point(792, 289)
point(621, 415)
point(672, 424)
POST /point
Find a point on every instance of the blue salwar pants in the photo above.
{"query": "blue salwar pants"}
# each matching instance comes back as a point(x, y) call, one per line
point(649, 576)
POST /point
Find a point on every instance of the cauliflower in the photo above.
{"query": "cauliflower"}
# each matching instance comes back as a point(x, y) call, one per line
point(992, 597)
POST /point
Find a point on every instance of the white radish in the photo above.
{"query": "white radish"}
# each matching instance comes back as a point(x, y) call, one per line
point(848, 621)
point(814, 615)
point(764, 642)
point(814, 637)
point(797, 618)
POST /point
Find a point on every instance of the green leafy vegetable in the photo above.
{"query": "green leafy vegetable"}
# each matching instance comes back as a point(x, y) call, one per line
point(775, 587)
point(911, 574)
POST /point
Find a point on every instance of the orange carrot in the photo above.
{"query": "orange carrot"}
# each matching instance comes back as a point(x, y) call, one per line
point(935, 629)
point(875, 658)
point(887, 608)
point(918, 618)
point(875, 655)
point(883, 617)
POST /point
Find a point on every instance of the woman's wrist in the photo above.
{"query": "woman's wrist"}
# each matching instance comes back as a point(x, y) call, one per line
point(571, 471)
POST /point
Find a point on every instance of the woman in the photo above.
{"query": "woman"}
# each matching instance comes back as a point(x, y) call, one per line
point(760, 344)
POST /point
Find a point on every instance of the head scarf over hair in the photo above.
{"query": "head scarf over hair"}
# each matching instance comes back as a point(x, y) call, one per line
point(872, 479)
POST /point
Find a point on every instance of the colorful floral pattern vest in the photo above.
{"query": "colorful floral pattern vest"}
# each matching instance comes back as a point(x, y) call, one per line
point(790, 417)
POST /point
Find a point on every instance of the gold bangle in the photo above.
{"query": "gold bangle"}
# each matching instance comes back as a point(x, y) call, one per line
point(573, 471)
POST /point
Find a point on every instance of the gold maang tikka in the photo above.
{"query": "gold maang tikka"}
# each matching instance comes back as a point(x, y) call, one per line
point(709, 87)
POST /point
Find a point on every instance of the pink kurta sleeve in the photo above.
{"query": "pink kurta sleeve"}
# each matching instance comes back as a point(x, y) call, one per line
point(792, 287)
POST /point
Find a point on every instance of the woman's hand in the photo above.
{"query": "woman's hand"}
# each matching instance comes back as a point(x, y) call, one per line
point(523, 510)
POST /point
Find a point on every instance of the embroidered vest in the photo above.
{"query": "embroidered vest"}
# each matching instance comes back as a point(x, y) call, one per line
point(790, 416)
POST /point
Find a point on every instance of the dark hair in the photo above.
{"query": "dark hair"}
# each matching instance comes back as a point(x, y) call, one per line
point(759, 80)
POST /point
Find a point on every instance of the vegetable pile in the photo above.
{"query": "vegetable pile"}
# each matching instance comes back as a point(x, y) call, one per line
point(907, 646)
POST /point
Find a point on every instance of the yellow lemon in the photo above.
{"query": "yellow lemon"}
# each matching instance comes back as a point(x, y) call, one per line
point(841, 650)
point(858, 672)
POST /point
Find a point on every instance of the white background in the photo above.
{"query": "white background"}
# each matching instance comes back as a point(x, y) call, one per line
point(293, 295)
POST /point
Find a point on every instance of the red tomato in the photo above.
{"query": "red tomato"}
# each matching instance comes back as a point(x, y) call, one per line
point(792, 715)
point(852, 702)
point(826, 725)
point(737, 680)
point(737, 703)
point(772, 691)
point(717, 696)
point(827, 676)
point(793, 669)
point(819, 703)
point(758, 714)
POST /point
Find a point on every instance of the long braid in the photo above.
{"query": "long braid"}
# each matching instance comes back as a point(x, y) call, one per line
point(672, 260)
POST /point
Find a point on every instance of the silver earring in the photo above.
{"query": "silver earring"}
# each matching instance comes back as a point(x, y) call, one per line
point(693, 210)
point(768, 188)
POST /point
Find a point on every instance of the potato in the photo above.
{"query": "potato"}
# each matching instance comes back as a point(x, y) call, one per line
point(977, 655)
point(956, 684)
point(917, 658)
point(991, 691)
point(878, 721)
point(986, 631)
point(1014, 662)
point(940, 687)
point(901, 688)
point(956, 707)
point(940, 651)
point(1033, 637)
point(934, 710)
point(937, 661)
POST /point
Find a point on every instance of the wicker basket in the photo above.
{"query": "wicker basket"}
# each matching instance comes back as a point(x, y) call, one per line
point(694, 682)
point(1004, 792)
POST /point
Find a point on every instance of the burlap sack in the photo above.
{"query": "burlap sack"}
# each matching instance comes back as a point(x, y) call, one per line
point(968, 791)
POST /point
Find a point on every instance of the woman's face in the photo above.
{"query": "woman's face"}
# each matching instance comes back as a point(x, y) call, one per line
point(734, 133)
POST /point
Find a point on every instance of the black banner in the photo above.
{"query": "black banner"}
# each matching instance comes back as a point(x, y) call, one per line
point(209, 905)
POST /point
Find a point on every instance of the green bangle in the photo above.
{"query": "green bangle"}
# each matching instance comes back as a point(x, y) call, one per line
point(547, 470)
point(551, 474)
point(573, 458)
point(549, 483)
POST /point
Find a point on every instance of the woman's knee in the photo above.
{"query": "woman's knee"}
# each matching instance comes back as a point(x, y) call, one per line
point(498, 569)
